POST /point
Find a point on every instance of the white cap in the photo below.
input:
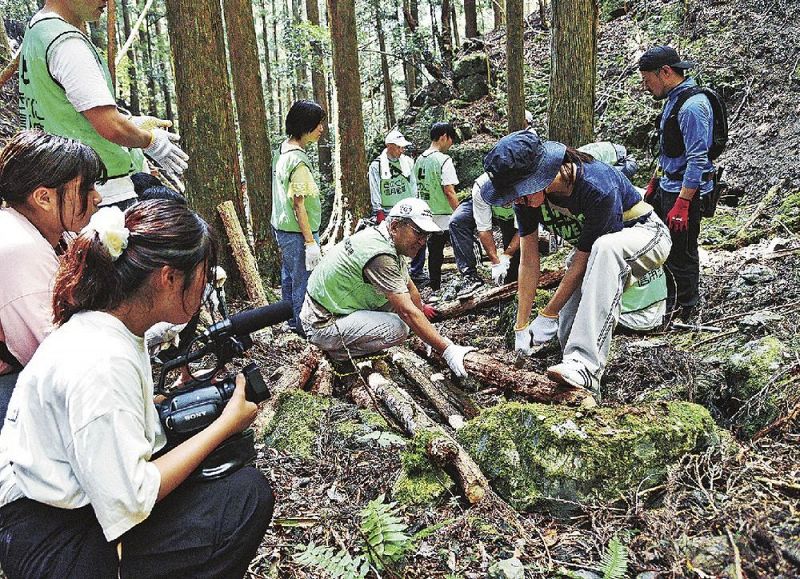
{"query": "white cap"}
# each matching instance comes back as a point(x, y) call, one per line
point(395, 137)
point(417, 211)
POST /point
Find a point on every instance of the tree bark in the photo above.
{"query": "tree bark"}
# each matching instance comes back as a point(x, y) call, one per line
point(204, 101)
point(134, 88)
point(515, 54)
point(5, 47)
point(471, 19)
point(300, 71)
point(444, 450)
point(454, 18)
point(254, 134)
point(352, 161)
point(447, 37)
point(242, 254)
point(152, 96)
point(499, 11)
point(388, 99)
point(319, 85)
point(289, 377)
point(543, 14)
point(270, 103)
point(275, 59)
point(572, 71)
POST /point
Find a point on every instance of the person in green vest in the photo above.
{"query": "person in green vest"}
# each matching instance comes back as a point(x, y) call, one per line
point(475, 214)
point(436, 180)
point(390, 175)
point(65, 89)
point(296, 207)
point(361, 299)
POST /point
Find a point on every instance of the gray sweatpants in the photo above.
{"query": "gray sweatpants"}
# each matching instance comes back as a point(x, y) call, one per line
point(361, 333)
point(617, 259)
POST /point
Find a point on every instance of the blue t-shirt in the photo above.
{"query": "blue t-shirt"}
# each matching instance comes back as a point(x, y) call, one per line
point(600, 196)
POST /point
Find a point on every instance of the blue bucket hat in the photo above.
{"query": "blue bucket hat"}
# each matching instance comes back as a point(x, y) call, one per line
point(520, 164)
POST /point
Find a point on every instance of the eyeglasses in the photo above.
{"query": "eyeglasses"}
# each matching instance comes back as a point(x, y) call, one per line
point(418, 231)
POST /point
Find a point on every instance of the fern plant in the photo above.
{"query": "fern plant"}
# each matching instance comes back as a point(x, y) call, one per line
point(385, 543)
point(615, 559)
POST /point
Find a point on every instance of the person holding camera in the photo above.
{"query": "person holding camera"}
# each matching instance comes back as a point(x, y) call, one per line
point(47, 184)
point(81, 494)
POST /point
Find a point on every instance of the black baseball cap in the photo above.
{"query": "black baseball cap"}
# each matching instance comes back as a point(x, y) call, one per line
point(659, 56)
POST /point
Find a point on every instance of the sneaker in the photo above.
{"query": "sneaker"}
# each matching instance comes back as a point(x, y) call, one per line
point(469, 287)
point(571, 373)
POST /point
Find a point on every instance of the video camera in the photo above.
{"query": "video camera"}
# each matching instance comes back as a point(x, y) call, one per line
point(196, 404)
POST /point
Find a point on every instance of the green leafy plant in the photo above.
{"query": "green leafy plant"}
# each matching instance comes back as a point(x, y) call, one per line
point(615, 559)
point(385, 543)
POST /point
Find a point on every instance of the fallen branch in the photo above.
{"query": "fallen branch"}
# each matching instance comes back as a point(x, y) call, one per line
point(242, 254)
point(794, 413)
point(443, 449)
point(773, 191)
point(289, 377)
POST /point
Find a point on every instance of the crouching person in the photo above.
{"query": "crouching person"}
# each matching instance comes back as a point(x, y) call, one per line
point(80, 492)
point(360, 298)
point(619, 240)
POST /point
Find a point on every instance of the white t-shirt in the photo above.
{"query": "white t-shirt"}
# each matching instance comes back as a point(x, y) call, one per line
point(81, 425)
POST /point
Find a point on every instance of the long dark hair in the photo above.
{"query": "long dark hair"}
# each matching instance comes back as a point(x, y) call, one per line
point(161, 233)
point(34, 159)
point(573, 158)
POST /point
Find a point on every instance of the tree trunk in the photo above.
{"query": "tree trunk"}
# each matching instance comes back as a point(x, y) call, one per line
point(5, 47)
point(499, 10)
point(276, 61)
point(152, 97)
point(244, 258)
point(97, 34)
point(388, 99)
point(447, 38)
point(254, 135)
point(572, 71)
point(347, 77)
point(454, 18)
point(409, 70)
point(515, 53)
point(165, 69)
point(267, 65)
point(436, 38)
point(300, 71)
point(320, 85)
point(543, 14)
point(134, 89)
point(204, 101)
point(471, 19)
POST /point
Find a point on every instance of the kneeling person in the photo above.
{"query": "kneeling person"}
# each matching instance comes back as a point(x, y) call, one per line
point(360, 298)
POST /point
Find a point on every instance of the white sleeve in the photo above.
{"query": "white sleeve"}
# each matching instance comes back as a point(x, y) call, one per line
point(374, 175)
point(449, 176)
point(73, 65)
point(481, 210)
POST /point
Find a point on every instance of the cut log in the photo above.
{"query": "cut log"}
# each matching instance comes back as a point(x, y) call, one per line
point(450, 402)
point(323, 379)
point(496, 295)
point(248, 267)
point(447, 452)
point(291, 376)
point(533, 386)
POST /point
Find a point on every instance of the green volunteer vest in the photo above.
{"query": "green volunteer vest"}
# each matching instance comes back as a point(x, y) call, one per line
point(396, 188)
point(44, 104)
point(283, 218)
point(603, 151)
point(428, 173)
point(645, 292)
point(337, 283)
point(503, 213)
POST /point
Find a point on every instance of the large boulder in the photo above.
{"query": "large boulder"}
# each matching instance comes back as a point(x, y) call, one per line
point(471, 76)
point(552, 456)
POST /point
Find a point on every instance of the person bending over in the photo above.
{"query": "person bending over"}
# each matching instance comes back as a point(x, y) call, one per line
point(80, 492)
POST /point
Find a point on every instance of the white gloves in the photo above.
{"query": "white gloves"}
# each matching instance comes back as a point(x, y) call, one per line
point(543, 329)
point(313, 255)
point(499, 270)
point(163, 150)
point(454, 356)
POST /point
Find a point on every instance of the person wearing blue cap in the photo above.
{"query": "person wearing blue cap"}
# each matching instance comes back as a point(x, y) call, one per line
point(685, 140)
point(619, 241)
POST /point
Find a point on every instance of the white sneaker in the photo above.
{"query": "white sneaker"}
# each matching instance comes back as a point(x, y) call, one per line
point(571, 373)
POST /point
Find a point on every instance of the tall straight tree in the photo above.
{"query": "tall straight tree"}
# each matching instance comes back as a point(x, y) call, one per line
point(319, 84)
point(573, 54)
point(515, 53)
point(447, 37)
point(254, 133)
point(205, 107)
point(454, 18)
point(470, 19)
point(164, 72)
point(301, 74)
point(268, 66)
point(347, 77)
point(276, 61)
point(499, 10)
point(388, 99)
point(410, 15)
point(134, 88)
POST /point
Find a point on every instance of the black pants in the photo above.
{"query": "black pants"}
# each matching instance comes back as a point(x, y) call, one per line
point(203, 529)
point(436, 243)
point(683, 264)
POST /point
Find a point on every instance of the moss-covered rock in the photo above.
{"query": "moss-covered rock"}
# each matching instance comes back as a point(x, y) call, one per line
point(468, 159)
point(789, 212)
point(538, 455)
point(420, 482)
point(294, 427)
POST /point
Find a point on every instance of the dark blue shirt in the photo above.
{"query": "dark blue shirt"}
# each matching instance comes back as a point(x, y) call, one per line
point(599, 197)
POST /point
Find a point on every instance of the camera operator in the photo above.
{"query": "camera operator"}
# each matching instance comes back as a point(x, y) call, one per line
point(48, 186)
point(81, 494)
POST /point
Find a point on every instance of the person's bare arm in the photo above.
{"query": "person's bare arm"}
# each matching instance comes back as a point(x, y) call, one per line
point(117, 128)
point(529, 271)
point(403, 305)
point(450, 193)
point(571, 281)
point(298, 203)
point(487, 241)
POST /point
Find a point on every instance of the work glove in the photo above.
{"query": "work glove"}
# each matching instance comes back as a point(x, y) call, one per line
point(429, 311)
point(169, 156)
point(454, 356)
point(538, 332)
point(380, 216)
point(313, 255)
point(652, 184)
point(500, 270)
point(678, 216)
point(148, 123)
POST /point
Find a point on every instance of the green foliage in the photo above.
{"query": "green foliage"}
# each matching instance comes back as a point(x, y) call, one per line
point(385, 544)
point(615, 559)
